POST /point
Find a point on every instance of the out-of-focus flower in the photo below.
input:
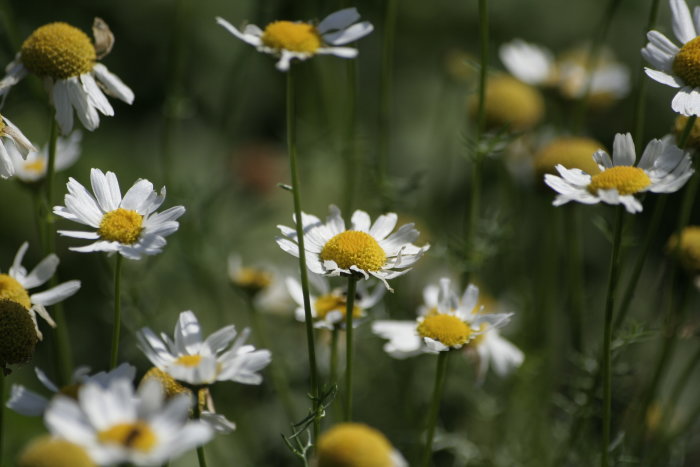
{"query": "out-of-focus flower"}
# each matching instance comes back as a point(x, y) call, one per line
point(35, 165)
point(678, 67)
point(20, 144)
point(356, 445)
point(220, 357)
point(66, 59)
point(48, 451)
point(259, 166)
point(16, 283)
point(328, 309)
point(129, 226)
point(115, 425)
point(17, 335)
point(509, 103)
point(663, 168)
point(693, 139)
point(687, 250)
point(249, 279)
point(288, 40)
point(537, 66)
point(445, 322)
point(364, 249)
point(570, 151)
point(27, 402)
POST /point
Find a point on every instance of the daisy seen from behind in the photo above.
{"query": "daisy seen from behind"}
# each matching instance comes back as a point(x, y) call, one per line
point(678, 67)
point(16, 283)
point(126, 225)
point(19, 144)
point(223, 356)
point(663, 168)
point(364, 249)
point(67, 60)
point(115, 424)
point(34, 166)
point(445, 322)
point(289, 40)
point(328, 308)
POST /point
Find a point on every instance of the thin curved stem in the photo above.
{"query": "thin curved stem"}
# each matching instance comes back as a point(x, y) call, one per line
point(116, 329)
point(296, 194)
point(440, 376)
point(640, 101)
point(200, 449)
point(350, 306)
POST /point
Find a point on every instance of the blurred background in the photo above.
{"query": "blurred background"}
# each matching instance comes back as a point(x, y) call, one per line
point(208, 122)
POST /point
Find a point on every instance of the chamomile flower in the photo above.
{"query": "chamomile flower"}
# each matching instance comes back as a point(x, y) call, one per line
point(509, 103)
point(188, 358)
point(34, 167)
point(66, 59)
point(48, 451)
point(27, 402)
point(18, 143)
point(663, 168)
point(329, 307)
point(116, 425)
point(16, 283)
point(289, 40)
point(364, 249)
point(356, 445)
point(678, 67)
point(129, 226)
point(573, 152)
point(445, 322)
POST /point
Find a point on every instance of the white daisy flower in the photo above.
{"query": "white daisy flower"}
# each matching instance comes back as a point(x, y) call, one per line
point(536, 65)
point(20, 144)
point(445, 322)
point(16, 283)
point(678, 67)
point(663, 168)
point(34, 167)
point(116, 425)
point(220, 357)
point(128, 226)
point(287, 40)
point(329, 307)
point(27, 402)
point(366, 249)
point(496, 352)
point(66, 59)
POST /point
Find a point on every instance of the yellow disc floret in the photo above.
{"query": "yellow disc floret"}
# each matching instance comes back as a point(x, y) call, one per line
point(354, 248)
point(188, 360)
point(687, 63)
point(693, 139)
point(446, 329)
point(11, 289)
point(510, 103)
point(121, 225)
point(59, 51)
point(37, 166)
point(626, 179)
point(138, 436)
point(2, 125)
point(171, 387)
point(353, 445)
point(54, 452)
point(17, 334)
point(689, 249)
point(295, 37)
point(251, 279)
point(571, 152)
point(333, 302)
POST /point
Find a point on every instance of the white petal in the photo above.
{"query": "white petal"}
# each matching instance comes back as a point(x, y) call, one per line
point(663, 78)
point(338, 20)
point(623, 149)
point(681, 21)
point(64, 109)
point(84, 109)
point(56, 294)
point(26, 402)
point(687, 101)
point(527, 62)
point(249, 38)
point(112, 84)
point(97, 98)
point(350, 34)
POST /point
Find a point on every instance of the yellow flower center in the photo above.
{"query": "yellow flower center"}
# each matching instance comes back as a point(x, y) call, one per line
point(121, 225)
point(689, 249)
point(11, 289)
point(693, 140)
point(353, 248)
point(17, 334)
point(446, 329)
point(138, 436)
point(571, 152)
point(331, 302)
point(252, 279)
point(59, 51)
point(626, 179)
point(295, 37)
point(71, 390)
point(510, 103)
point(54, 452)
point(2, 126)
point(189, 360)
point(36, 166)
point(171, 387)
point(353, 445)
point(687, 63)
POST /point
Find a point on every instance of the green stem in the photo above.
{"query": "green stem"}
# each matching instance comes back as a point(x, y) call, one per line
point(349, 145)
point(116, 327)
point(607, 337)
point(640, 100)
point(571, 228)
point(200, 449)
point(296, 193)
point(483, 71)
point(680, 386)
point(350, 306)
point(334, 355)
point(440, 377)
point(2, 412)
point(385, 100)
